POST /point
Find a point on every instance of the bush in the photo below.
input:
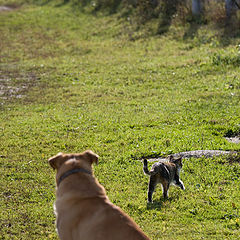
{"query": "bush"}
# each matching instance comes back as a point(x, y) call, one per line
point(221, 59)
point(165, 11)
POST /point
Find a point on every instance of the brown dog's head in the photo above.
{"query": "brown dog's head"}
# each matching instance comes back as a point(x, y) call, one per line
point(62, 162)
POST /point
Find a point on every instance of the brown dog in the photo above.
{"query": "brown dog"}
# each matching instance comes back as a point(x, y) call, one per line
point(83, 210)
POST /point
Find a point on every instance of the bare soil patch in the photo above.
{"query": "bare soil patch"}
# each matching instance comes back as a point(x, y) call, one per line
point(14, 84)
point(6, 8)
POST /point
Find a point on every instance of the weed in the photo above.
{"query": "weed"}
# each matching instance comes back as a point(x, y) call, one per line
point(221, 59)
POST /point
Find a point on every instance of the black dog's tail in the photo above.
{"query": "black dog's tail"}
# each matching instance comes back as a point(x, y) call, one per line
point(145, 167)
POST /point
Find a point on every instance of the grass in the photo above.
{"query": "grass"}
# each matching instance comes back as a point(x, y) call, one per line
point(72, 81)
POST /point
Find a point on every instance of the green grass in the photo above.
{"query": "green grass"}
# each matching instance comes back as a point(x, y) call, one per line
point(72, 81)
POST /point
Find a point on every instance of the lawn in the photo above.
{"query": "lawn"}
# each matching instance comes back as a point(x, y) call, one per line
point(71, 81)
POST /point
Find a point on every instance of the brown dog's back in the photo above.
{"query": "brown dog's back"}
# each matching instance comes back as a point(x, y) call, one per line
point(83, 210)
point(106, 221)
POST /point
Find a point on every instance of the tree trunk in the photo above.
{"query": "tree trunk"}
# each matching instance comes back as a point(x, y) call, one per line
point(230, 8)
point(196, 7)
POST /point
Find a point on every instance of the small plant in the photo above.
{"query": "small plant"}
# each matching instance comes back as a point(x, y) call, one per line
point(232, 58)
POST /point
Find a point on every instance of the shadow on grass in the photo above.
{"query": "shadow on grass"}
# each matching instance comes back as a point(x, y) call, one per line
point(231, 31)
point(191, 31)
point(154, 205)
point(158, 204)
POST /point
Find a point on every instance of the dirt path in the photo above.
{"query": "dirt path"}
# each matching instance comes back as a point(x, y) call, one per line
point(7, 8)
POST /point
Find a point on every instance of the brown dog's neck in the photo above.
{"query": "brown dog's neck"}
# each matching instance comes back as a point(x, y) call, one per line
point(80, 184)
point(70, 172)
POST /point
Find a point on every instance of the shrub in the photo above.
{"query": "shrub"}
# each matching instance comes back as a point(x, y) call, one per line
point(220, 59)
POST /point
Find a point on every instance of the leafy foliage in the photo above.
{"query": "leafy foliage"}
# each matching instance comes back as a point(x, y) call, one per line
point(224, 59)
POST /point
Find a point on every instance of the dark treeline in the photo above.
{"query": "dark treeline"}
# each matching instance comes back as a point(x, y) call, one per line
point(207, 10)
point(152, 8)
point(221, 12)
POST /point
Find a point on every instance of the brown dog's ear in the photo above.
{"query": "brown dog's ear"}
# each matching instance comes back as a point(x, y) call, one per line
point(93, 157)
point(55, 160)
